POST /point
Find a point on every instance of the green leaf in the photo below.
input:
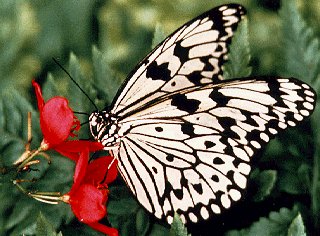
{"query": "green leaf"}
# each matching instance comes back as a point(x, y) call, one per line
point(20, 210)
point(291, 177)
point(26, 210)
point(44, 228)
point(304, 173)
point(265, 182)
point(105, 82)
point(237, 65)
point(158, 35)
point(159, 230)
point(301, 49)
point(125, 214)
point(297, 227)
point(77, 99)
point(60, 30)
point(277, 223)
point(50, 88)
point(13, 125)
point(177, 227)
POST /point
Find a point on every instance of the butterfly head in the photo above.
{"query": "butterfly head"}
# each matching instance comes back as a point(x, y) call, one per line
point(104, 128)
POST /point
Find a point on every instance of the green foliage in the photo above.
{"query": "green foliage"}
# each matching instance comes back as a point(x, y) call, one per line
point(264, 182)
point(105, 82)
point(24, 210)
point(279, 223)
point(17, 49)
point(302, 60)
point(237, 65)
point(44, 228)
point(128, 216)
point(158, 36)
point(31, 32)
point(63, 25)
point(177, 227)
point(297, 228)
point(301, 49)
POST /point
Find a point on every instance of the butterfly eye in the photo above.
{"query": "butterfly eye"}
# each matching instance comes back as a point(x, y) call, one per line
point(99, 119)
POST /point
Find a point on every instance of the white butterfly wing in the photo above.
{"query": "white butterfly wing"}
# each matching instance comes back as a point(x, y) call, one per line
point(186, 136)
point(190, 152)
point(191, 56)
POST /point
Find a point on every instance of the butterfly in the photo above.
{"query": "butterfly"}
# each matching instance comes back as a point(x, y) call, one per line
point(183, 136)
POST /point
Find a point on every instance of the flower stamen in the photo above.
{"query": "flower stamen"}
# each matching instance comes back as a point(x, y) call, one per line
point(27, 166)
point(27, 151)
point(42, 197)
point(25, 160)
point(46, 197)
point(30, 156)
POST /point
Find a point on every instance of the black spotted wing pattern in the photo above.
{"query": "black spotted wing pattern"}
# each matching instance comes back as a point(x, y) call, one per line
point(182, 135)
point(190, 153)
point(191, 56)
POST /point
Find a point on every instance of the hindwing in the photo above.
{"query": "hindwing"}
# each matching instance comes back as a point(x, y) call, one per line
point(190, 151)
point(184, 137)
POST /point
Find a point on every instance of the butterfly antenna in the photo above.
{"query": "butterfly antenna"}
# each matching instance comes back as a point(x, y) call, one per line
point(75, 82)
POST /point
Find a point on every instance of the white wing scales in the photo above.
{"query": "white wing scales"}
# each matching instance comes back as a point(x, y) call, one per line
point(191, 56)
point(186, 136)
point(197, 156)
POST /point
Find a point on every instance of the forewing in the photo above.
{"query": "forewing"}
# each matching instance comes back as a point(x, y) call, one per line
point(191, 56)
point(190, 153)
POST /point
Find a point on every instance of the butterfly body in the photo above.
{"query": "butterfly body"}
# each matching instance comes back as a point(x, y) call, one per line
point(182, 135)
point(105, 128)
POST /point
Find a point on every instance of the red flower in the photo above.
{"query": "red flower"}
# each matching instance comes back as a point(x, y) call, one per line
point(57, 120)
point(58, 123)
point(89, 193)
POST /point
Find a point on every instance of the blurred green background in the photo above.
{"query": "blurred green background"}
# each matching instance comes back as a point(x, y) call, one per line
point(32, 32)
point(105, 40)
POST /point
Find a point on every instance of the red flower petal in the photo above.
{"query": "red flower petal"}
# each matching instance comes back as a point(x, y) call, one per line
point(79, 145)
point(56, 121)
point(88, 203)
point(38, 95)
point(72, 148)
point(65, 152)
point(98, 171)
point(80, 171)
point(89, 193)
